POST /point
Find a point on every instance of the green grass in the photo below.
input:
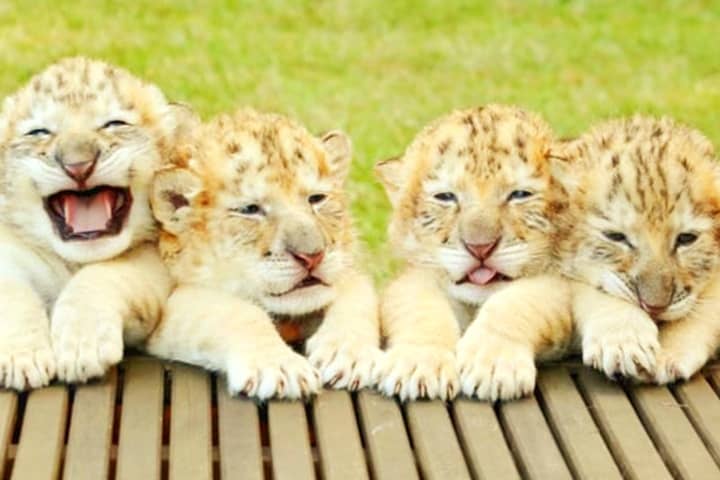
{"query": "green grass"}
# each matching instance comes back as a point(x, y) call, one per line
point(382, 69)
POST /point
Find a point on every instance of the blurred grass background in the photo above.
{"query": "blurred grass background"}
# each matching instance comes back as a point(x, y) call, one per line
point(381, 69)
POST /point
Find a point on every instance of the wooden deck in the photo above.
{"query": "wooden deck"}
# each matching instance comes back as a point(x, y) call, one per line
point(149, 420)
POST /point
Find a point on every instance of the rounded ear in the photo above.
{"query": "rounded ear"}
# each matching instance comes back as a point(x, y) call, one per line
point(565, 156)
point(172, 196)
point(338, 147)
point(389, 172)
point(182, 120)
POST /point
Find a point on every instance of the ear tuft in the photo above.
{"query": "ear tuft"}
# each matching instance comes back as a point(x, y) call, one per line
point(389, 172)
point(338, 147)
point(173, 191)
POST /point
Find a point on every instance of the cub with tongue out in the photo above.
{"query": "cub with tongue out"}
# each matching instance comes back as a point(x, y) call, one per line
point(475, 205)
point(79, 273)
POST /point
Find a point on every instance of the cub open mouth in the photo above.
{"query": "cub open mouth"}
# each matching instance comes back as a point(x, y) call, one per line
point(89, 214)
point(483, 276)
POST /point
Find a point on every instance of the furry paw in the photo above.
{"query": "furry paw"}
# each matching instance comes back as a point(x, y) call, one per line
point(675, 366)
point(628, 351)
point(29, 366)
point(412, 372)
point(495, 369)
point(87, 341)
point(343, 361)
point(279, 373)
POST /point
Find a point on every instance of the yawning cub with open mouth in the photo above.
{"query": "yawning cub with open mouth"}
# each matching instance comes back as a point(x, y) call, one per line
point(78, 146)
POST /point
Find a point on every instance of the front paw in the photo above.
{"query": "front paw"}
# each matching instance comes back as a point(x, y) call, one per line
point(412, 372)
point(276, 373)
point(629, 351)
point(675, 366)
point(343, 361)
point(26, 363)
point(86, 340)
point(495, 369)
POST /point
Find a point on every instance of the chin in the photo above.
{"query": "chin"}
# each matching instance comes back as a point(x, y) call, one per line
point(472, 294)
point(299, 302)
point(95, 250)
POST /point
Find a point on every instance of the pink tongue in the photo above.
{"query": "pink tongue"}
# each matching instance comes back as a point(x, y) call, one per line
point(482, 275)
point(88, 213)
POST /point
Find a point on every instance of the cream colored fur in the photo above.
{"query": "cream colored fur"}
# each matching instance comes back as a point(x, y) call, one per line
point(253, 192)
point(67, 304)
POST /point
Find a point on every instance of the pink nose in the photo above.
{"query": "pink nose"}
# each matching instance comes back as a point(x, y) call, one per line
point(308, 260)
point(482, 250)
point(79, 171)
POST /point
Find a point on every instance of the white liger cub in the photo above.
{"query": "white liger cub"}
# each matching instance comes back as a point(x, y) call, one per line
point(78, 147)
point(474, 204)
point(645, 245)
point(256, 227)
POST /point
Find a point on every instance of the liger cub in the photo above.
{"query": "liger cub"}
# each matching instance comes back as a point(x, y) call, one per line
point(645, 248)
point(78, 266)
point(474, 207)
point(256, 227)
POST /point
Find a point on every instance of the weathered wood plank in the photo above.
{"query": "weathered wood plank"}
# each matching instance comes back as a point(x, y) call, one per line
point(436, 446)
point(385, 438)
point(632, 447)
point(482, 439)
point(8, 412)
point(338, 438)
point(190, 425)
point(702, 405)
point(140, 439)
point(290, 441)
point(41, 439)
point(673, 434)
point(578, 436)
point(88, 448)
point(532, 441)
point(239, 432)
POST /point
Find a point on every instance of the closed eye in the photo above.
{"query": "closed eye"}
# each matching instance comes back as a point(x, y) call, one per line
point(251, 209)
point(36, 132)
point(114, 123)
point(447, 197)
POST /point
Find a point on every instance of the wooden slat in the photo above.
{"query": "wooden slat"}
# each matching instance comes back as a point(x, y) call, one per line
point(338, 438)
point(625, 435)
point(290, 441)
point(482, 439)
point(88, 448)
point(190, 425)
point(41, 438)
point(703, 407)
point(532, 441)
point(8, 412)
point(385, 437)
point(578, 436)
point(673, 434)
point(140, 439)
point(436, 445)
point(239, 432)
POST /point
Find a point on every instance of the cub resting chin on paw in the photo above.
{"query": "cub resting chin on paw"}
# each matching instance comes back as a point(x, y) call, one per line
point(78, 270)
point(474, 208)
point(256, 225)
point(640, 248)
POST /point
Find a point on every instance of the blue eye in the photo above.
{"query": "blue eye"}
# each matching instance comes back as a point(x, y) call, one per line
point(445, 197)
point(36, 132)
point(519, 195)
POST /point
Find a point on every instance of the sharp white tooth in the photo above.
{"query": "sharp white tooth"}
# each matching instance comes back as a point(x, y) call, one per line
point(107, 197)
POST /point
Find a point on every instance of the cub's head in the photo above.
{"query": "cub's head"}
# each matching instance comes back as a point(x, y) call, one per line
point(78, 146)
point(255, 206)
point(645, 214)
point(474, 198)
